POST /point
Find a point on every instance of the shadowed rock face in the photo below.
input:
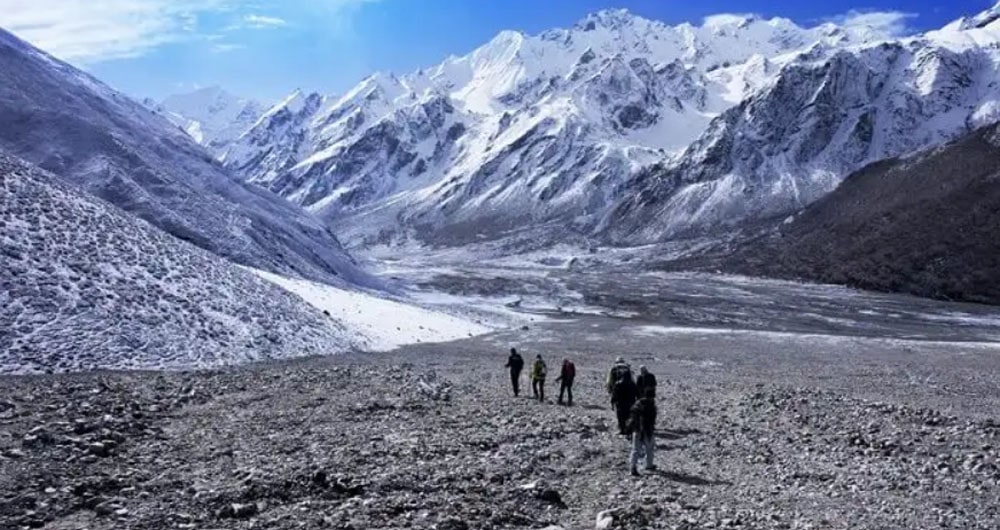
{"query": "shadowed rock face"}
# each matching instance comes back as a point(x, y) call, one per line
point(85, 286)
point(66, 122)
point(926, 225)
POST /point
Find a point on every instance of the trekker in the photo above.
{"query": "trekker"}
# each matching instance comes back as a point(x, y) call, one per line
point(618, 370)
point(646, 380)
point(622, 398)
point(516, 364)
point(566, 376)
point(642, 424)
point(538, 372)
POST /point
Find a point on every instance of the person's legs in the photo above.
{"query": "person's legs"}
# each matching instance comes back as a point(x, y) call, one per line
point(515, 379)
point(534, 387)
point(541, 390)
point(634, 455)
point(622, 413)
point(569, 393)
point(650, 443)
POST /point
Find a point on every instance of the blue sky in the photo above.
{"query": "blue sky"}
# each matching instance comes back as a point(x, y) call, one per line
point(266, 48)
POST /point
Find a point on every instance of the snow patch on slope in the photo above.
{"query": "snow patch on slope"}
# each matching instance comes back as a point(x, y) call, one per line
point(379, 324)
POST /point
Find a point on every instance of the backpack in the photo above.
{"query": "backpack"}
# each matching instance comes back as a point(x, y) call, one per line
point(621, 370)
point(539, 369)
point(570, 370)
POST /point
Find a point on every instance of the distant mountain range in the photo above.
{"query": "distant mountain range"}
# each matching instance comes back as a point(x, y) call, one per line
point(211, 116)
point(620, 129)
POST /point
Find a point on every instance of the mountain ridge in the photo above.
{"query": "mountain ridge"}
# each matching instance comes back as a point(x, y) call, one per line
point(922, 224)
point(533, 128)
point(67, 122)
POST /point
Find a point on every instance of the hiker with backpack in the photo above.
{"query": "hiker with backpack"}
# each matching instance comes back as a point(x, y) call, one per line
point(642, 425)
point(645, 381)
point(566, 376)
point(538, 373)
point(623, 396)
point(515, 363)
point(619, 369)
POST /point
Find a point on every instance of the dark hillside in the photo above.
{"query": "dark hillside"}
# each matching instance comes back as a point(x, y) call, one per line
point(927, 225)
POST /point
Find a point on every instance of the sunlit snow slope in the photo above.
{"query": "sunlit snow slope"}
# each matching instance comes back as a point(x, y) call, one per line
point(523, 130)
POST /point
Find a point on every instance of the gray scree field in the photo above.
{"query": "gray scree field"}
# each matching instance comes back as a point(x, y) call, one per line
point(849, 411)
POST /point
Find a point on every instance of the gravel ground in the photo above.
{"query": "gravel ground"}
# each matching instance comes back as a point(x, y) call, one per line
point(755, 431)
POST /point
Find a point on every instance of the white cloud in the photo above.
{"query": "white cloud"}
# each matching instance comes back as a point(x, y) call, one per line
point(226, 47)
point(89, 31)
point(889, 23)
point(92, 30)
point(262, 21)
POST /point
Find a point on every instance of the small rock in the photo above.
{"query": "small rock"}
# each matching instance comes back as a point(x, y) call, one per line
point(99, 449)
point(604, 520)
point(551, 496)
point(14, 453)
point(239, 511)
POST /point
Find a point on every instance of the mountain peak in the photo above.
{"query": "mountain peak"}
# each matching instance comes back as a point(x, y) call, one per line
point(723, 20)
point(607, 18)
point(983, 19)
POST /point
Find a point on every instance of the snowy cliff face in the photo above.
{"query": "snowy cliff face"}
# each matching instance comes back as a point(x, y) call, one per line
point(86, 286)
point(522, 131)
point(212, 117)
point(67, 122)
point(818, 120)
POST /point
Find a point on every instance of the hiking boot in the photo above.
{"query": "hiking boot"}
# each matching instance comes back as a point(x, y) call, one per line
point(635, 472)
point(651, 468)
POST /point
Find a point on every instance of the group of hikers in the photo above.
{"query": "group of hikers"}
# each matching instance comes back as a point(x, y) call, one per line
point(632, 398)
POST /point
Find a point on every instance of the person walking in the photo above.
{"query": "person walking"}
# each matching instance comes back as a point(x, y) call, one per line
point(646, 380)
point(618, 370)
point(642, 425)
point(538, 373)
point(515, 363)
point(623, 396)
point(566, 376)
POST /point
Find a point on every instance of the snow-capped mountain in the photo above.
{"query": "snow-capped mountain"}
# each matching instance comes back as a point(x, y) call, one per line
point(819, 119)
point(212, 117)
point(86, 286)
point(525, 129)
point(71, 124)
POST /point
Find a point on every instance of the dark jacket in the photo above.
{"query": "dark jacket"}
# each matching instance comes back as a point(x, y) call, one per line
point(568, 373)
point(623, 394)
point(515, 362)
point(644, 382)
point(643, 417)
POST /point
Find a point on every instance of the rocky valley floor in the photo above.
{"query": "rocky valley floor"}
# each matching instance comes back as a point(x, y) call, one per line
point(756, 431)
